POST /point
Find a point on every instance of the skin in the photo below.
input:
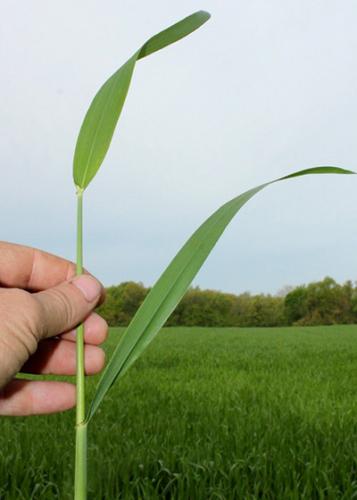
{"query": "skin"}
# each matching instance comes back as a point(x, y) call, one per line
point(41, 303)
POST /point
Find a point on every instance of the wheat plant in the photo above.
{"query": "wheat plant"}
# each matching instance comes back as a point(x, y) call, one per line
point(92, 145)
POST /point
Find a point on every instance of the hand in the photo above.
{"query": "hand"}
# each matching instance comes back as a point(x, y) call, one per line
point(41, 302)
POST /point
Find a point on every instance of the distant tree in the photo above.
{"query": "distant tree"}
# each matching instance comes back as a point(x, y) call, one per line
point(122, 302)
point(203, 308)
point(320, 303)
point(267, 311)
point(242, 310)
point(353, 299)
point(212, 308)
point(296, 305)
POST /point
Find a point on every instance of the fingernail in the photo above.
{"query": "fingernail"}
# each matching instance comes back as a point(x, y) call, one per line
point(89, 286)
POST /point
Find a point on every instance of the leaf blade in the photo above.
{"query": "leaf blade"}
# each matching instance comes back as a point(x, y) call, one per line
point(173, 283)
point(104, 112)
point(174, 33)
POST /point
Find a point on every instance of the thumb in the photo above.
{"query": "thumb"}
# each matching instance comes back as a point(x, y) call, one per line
point(65, 306)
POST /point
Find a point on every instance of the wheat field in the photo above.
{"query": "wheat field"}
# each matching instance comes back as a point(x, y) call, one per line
point(207, 413)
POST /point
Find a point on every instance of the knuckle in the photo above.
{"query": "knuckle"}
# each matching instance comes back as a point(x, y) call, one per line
point(64, 307)
point(34, 318)
point(20, 320)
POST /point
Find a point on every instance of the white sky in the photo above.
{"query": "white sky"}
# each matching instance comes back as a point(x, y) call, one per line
point(263, 89)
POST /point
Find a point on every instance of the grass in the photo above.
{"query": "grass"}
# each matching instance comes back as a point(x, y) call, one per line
point(207, 413)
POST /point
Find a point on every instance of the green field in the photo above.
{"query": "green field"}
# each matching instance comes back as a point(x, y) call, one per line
point(207, 413)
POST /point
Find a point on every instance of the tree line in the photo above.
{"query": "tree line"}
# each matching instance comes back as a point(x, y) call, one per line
point(321, 303)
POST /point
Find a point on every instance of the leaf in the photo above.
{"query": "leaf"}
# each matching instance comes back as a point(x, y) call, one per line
point(173, 283)
point(103, 114)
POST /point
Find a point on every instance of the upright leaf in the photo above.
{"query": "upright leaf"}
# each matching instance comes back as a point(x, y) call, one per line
point(173, 283)
point(103, 114)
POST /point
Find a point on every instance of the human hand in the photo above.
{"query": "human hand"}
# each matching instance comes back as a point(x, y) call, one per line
point(41, 302)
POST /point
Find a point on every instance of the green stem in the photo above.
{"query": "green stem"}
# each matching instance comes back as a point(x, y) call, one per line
point(80, 480)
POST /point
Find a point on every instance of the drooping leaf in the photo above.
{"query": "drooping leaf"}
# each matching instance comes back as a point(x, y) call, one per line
point(174, 282)
point(103, 114)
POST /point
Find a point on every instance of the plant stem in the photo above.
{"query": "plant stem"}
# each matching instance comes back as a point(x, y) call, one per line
point(80, 480)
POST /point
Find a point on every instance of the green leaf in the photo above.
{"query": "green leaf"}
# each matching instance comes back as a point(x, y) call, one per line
point(173, 283)
point(103, 114)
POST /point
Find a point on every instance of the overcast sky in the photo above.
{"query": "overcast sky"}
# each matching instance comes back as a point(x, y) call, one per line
point(263, 89)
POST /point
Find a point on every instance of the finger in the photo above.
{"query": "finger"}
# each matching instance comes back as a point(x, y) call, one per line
point(24, 397)
point(65, 306)
point(58, 357)
point(95, 331)
point(29, 268)
point(32, 269)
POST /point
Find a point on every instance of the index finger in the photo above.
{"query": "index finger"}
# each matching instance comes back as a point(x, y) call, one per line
point(32, 269)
